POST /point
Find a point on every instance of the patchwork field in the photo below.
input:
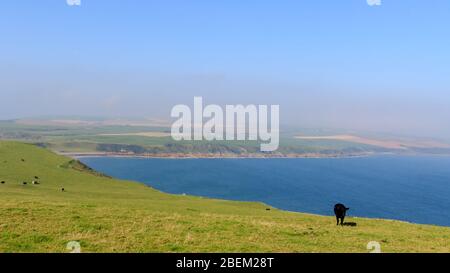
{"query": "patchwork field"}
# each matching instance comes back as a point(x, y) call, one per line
point(401, 144)
point(148, 137)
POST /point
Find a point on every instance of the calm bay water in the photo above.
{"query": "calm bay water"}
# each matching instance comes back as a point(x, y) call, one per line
point(414, 189)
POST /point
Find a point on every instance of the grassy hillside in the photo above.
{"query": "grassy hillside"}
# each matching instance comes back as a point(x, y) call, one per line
point(106, 215)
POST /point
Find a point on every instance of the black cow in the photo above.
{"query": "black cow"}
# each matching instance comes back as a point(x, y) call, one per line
point(340, 210)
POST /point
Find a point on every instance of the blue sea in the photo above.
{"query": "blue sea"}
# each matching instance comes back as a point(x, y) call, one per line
point(414, 189)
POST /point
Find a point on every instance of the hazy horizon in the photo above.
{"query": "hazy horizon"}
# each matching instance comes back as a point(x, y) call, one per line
point(337, 65)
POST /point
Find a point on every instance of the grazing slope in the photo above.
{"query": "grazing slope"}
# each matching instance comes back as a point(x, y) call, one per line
point(106, 215)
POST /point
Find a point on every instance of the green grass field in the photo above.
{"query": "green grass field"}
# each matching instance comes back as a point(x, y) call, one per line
point(107, 215)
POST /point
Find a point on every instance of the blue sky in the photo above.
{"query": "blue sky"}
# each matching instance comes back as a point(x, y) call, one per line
point(334, 64)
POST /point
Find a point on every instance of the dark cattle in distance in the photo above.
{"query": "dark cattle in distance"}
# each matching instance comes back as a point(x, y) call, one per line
point(340, 210)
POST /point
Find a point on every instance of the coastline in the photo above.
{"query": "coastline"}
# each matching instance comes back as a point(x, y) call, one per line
point(77, 155)
point(256, 201)
point(210, 156)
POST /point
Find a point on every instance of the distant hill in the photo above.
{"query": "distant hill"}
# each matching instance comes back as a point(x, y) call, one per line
point(147, 137)
point(401, 144)
point(107, 215)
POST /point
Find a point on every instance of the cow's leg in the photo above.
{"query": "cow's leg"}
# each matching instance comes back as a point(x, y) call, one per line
point(337, 221)
point(342, 220)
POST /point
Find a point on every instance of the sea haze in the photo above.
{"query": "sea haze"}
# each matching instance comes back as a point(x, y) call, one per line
point(414, 189)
